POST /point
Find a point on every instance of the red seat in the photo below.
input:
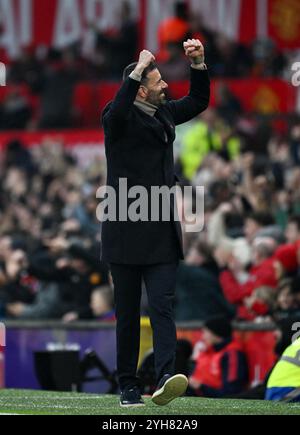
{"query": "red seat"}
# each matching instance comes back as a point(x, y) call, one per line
point(178, 90)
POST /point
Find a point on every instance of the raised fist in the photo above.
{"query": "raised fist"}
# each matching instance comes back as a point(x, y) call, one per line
point(194, 50)
point(146, 57)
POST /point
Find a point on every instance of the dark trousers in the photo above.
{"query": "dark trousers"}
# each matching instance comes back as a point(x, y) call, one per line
point(160, 285)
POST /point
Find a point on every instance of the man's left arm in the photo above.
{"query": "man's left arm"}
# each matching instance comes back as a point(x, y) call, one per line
point(197, 100)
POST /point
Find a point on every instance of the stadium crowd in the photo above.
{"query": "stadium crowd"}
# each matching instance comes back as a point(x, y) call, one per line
point(247, 257)
point(250, 243)
point(50, 237)
point(47, 73)
point(244, 263)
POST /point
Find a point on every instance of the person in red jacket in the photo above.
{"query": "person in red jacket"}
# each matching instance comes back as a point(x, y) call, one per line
point(221, 370)
point(174, 29)
point(289, 254)
point(265, 271)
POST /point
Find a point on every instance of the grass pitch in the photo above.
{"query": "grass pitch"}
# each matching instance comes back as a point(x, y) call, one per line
point(47, 403)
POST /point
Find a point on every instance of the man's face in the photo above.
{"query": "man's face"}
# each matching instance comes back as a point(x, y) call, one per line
point(5, 247)
point(155, 88)
point(209, 338)
point(98, 304)
point(285, 299)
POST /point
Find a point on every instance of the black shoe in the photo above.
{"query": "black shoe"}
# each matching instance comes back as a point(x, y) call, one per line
point(170, 388)
point(131, 396)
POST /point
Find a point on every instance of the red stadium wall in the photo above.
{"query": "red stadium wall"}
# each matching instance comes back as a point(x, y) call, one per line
point(61, 22)
point(85, 145)
point(69, 138)
point(265, 96)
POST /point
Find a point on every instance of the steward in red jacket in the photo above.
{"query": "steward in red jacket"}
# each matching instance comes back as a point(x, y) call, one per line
point(221, 370)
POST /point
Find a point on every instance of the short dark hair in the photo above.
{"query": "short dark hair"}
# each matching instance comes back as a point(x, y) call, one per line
point(220, 326)
point(295, 285)
point(130, 68)
point(181, 10)
point(261, 218)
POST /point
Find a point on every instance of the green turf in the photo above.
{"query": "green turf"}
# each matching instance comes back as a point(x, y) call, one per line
point(39, 402)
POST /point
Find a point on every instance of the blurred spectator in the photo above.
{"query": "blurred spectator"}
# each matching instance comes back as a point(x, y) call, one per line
point(234, 254)
point(15, 111)
point(198, 292)
point(232, 59)
point(52, 286)
point(261, 303)
point(288, 254)
point(57, 90)
point(120, 48)
point(176, 67)
point(102, 304)
point(265, 271)
point(295, 288)
point(227, 105)
point(17, 156)
point(268, 61)
point(207, 134)
point(292, 232)
point(260, 224)
point(76, 270)
point(174, 29)
point(221, 369)
point(295, 144)
point(49, 234)
point(27, 69)
point(18, 286)
point(287, 304)
point(226, 220)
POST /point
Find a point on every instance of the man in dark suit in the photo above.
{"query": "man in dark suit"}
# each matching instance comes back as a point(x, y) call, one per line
point(139, 126)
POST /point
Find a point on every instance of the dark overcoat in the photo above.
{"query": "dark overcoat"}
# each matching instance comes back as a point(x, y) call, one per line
point(139, 148)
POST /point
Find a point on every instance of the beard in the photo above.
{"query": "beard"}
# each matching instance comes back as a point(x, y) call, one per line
point(156, 98)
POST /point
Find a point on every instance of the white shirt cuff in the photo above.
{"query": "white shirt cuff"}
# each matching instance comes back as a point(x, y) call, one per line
point(200, 66)
point(136, 76)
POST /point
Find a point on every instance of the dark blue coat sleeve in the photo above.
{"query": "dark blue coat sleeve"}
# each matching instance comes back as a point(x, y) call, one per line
point(195, 102)
point(119, 108)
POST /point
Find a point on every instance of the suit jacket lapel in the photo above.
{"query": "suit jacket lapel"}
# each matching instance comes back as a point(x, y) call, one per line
point(159, 125)
point(167, 123)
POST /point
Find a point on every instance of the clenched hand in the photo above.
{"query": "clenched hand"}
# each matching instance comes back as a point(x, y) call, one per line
point(194, 50)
